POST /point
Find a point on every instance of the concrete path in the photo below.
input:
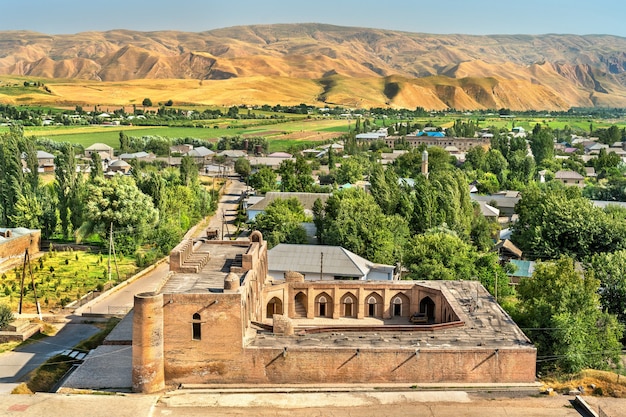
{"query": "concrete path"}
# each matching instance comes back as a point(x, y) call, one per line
point(190, 404)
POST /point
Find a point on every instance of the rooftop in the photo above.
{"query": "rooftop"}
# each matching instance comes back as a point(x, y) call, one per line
point(211, 277)
point(484, 324)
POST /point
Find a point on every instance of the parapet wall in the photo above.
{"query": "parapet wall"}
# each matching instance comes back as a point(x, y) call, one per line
point(367, 365)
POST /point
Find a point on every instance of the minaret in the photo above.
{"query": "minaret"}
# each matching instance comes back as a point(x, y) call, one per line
point(425, 163)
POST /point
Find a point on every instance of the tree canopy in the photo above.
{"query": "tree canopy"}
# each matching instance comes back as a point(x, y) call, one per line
point(560, 310)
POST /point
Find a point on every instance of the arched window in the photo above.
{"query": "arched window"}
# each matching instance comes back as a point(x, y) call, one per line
point(196, 330)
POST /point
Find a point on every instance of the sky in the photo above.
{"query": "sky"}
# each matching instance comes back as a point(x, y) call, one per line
point(480, 17)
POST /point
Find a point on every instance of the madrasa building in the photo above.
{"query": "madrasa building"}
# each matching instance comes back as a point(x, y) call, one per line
point(220, 318)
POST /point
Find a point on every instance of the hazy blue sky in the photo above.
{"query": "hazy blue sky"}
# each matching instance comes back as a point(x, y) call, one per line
point(434, 16)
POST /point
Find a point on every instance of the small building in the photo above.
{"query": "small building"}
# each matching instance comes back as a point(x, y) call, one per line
point(324, 263)
point(570, 178)
point(119, 166)
point(523, 269)
point(106, 152)
point(45, 162)
point(201, 155)
point(139, 156)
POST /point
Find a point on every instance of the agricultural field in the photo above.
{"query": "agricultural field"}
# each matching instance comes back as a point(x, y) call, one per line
point(62, 277)
point(280, 135)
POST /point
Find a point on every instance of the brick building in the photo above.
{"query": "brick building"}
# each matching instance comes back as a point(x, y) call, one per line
point(220, 318)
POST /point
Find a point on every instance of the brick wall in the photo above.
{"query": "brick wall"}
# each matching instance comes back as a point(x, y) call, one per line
point(370, 365)
point(16, 245)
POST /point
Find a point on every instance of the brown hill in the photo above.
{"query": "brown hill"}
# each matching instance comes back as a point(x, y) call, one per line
point(333, 65)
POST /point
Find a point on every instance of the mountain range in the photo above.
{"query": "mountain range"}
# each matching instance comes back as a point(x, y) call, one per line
point(332, 65)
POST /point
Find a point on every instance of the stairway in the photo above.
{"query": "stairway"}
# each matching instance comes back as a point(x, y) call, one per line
point(300, 309)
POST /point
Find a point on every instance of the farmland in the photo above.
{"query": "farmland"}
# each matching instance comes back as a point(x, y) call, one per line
point(61, 277)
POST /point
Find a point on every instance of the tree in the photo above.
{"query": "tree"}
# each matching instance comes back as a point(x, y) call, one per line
point(542, 144)
point(28, 211)
point(96, 166)
point(348, 221)
point(118, 201)
point(11, 174)
point(124, 140)
point(610, 269)
point(560, 221)
point(349, 172)
point(188, 170)
point(439, 254)
point(146, 102)
point(68, 183)
point(263, 180)
point(282, 222)
point(242, 167)
point(559, 306)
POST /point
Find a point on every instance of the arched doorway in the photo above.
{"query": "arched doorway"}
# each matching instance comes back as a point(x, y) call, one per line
point(400, 306)
point(348, 305)
point(324, 305)
point(427, 306)
point(374, 305)
point(300, 303)
point(274, 306)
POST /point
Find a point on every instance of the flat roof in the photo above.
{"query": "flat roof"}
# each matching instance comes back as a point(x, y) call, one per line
point(211, 277)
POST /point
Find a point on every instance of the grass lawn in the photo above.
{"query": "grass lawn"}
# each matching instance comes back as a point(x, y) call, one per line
point(61, 277)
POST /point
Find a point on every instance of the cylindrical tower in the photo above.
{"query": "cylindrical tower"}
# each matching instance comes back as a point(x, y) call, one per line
point(148, 363)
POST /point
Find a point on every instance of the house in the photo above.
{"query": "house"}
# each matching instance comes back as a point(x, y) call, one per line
point(523, 269)
point(140, 156)
point(505, 201)
point(106, 152)
point(324, 263)
point(268, 161)
point(570, 178)
point(507, 250)
point(201, 155)
point(181, 149)
point(489, 212)
point(119, 166)
point(306, 199)
point(233, 154)
point(45, 161)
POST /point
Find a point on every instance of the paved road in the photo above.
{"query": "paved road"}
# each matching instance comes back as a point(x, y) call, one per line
point(15, 365)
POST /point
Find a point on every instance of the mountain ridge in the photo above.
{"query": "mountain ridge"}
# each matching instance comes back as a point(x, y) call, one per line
point(462, 71)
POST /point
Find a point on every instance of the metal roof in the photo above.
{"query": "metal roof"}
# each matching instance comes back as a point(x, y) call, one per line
point(318, 259)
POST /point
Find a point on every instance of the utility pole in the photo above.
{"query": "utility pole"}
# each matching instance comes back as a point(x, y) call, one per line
point(32, 280)
point(110, 247)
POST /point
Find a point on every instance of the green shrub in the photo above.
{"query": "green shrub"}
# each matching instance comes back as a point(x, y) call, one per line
point(6, 315)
